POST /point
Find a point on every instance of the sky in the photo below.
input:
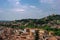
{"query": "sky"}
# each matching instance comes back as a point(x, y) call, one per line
point(24, 9)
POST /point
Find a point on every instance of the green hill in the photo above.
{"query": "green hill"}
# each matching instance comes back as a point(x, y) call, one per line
point(51, 19)
point(49, 23)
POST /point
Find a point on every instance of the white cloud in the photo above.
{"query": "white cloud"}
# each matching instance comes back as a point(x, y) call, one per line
point(14, 2)
point(33, 6)
point(20, 10)
point(17, 3)
point(46, 1)
point(17, 10)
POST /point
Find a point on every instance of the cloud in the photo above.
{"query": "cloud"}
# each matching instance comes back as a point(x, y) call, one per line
point(17, 10)
point(17, 3)
point(46, 1)
point(20, 10)
point(32, 6)
point(56, 5)
point(14, 3)
point(50, 5)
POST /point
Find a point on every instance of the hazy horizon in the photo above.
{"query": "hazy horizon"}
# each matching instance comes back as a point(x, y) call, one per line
point(24, 9)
